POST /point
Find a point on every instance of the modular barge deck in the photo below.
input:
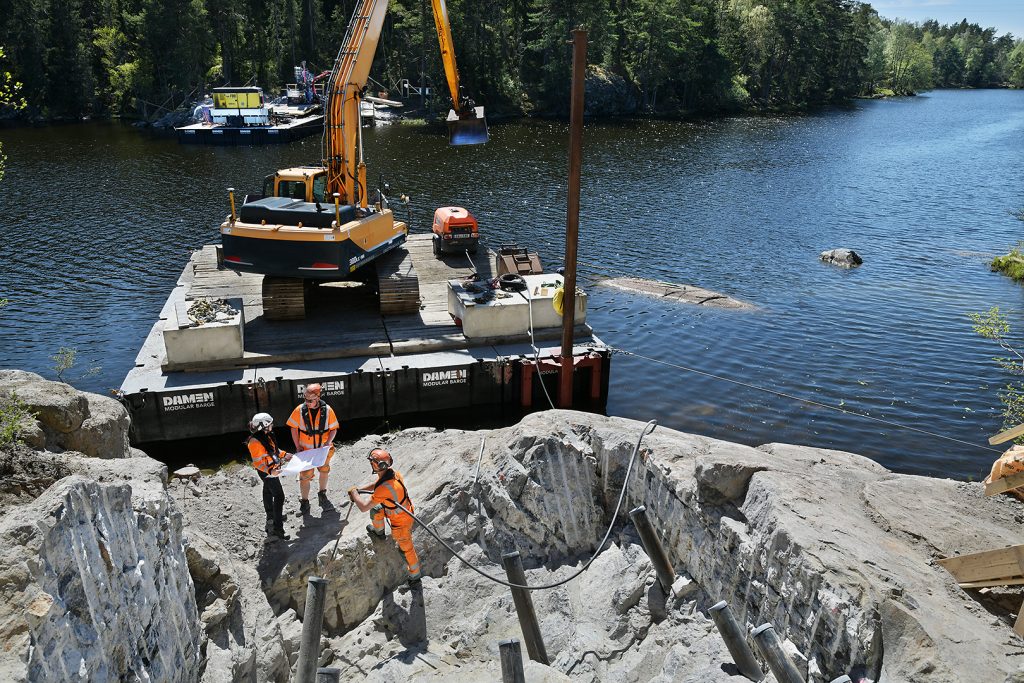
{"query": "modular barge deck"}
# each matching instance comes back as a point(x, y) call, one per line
point(219, 134)
point(393, 368)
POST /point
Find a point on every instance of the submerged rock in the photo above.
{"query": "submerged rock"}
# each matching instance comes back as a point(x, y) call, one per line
point(675, 292)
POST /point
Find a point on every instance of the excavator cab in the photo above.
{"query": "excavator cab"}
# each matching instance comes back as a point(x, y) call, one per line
point(467, 128)
point(301, 184)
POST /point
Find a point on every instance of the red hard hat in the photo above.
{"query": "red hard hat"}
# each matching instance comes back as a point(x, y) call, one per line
point(380, 459)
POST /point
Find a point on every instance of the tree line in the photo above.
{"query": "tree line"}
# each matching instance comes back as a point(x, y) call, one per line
point(123, 57)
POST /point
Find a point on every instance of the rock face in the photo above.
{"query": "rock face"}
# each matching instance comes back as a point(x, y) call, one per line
point(844, 258)
point(832, 549)
point(68, 419)
point(103, 579)
point(607, 93)
point(93, 576)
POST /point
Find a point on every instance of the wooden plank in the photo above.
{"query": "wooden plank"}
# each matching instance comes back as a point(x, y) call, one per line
point(1004, 436)
point(1016, 581)
point(1005, 484)
point(987, 565)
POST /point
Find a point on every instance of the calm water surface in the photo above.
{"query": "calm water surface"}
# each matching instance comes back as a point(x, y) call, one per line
point(98, 221)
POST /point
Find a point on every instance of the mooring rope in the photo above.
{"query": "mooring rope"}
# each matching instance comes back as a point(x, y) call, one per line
point(648, 428)
point(801, 399)
point(536, 351)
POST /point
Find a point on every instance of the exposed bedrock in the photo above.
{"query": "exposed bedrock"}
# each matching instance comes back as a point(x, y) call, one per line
point(109, 573)
point(832, 549)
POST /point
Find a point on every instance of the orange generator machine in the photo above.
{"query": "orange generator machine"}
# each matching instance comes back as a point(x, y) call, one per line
point(455, 231)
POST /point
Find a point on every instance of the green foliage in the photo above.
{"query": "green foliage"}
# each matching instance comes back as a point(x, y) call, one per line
point(9, 99)
point(107, 57)
point(15, 418)
point(63, 361)
point(993, 325)
point(1011, 264)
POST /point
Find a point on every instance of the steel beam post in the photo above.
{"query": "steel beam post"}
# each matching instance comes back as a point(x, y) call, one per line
point(524, 608)
point(312, 625)
point(511, 661)
point(735, 641)
point(770, 646)
point(655, 551)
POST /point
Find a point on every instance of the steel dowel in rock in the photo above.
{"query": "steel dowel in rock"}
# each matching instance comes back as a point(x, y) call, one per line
point(312, 625)
point(781, 665)
point(513, 564)
point(655, 551)
point(511, 661)
point(735, 641)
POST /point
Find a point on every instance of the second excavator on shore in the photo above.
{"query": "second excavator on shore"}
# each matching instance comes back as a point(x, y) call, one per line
point(315, 223)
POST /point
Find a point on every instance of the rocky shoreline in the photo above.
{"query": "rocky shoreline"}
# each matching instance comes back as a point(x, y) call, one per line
point(110, 572)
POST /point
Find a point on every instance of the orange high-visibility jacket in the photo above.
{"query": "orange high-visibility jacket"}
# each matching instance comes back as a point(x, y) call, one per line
point(389, 489)
point(264, 458)
point(313, 425)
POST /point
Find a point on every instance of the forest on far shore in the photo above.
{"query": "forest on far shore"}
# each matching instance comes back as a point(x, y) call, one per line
point(103, 58)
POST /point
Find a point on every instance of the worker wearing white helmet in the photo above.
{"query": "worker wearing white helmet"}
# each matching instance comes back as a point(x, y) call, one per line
point(267, 458)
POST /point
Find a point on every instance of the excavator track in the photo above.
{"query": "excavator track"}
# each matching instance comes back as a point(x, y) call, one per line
point(284, 298)
point(397, 283)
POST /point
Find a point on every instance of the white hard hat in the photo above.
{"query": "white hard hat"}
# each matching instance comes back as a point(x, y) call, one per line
point(261, 422)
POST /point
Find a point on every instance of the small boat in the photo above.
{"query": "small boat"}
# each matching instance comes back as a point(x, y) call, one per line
point(242, 115)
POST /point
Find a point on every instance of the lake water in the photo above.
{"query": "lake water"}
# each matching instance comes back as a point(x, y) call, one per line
point(99, 219)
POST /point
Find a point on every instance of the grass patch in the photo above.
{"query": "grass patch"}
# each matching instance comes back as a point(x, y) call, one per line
point(1011, 264)
point(15, 418)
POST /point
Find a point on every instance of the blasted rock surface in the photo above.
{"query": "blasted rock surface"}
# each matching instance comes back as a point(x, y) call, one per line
point(834, 550)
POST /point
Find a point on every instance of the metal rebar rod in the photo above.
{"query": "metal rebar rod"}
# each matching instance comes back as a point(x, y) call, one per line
point(655, 551)
point(312, 625)
point(511, 661)
point(325, 675)
point(513, 564)
point(770, 646)
point(735, 641)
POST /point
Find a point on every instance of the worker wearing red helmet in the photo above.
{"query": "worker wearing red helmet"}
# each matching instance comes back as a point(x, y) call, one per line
point(388, 495)
point(313, 424)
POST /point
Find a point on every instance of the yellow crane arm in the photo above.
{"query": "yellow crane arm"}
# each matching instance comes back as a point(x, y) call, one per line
point(444, 37)
point(346, 172)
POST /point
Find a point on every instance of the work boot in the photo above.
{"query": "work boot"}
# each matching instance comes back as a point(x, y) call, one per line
point(303, 506)
point(374, 533)
point(415, 584)
point(325, 504)
point(269, 526)
point(279, 533)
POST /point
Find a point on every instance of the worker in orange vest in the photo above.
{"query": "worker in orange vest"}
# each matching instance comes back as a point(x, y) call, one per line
point(313, 424)
point(267, 458)
point(386, 494)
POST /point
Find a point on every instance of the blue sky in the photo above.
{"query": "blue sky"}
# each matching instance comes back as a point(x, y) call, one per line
point(1006, 15)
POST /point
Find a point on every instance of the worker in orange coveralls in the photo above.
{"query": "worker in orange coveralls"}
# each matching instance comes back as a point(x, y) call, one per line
point(313, 424)
point(386, 493)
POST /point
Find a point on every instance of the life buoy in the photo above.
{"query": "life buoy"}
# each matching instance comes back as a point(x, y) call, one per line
point(556, 302)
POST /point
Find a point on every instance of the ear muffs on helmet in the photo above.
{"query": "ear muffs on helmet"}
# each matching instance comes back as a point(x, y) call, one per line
point(380, 459)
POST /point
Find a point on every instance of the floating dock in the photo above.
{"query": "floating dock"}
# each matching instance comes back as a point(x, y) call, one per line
point(219, 134)
point(414, 367)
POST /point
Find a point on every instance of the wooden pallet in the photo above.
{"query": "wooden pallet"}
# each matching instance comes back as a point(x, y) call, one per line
point(1002, 567)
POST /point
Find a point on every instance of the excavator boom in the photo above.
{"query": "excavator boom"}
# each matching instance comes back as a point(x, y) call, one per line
point(466, 123)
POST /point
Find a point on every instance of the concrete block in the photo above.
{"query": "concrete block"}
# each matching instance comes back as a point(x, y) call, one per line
point(508, 314)
point(187, 342)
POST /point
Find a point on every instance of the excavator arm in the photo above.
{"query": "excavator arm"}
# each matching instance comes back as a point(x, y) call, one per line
point(346, 172)
point(466, 123)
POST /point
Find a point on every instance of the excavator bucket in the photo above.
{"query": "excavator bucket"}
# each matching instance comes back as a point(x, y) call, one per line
point(468, 129)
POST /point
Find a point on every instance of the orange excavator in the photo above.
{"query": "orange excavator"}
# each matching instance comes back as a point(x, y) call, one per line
point(315, 223)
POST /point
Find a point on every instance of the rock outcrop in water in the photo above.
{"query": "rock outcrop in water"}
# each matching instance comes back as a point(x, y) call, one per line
point(832, 549)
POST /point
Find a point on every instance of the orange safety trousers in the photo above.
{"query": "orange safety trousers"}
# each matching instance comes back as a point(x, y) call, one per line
point(401, 529)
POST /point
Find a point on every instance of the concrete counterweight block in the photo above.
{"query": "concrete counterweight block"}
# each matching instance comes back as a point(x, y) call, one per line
point(187, 342)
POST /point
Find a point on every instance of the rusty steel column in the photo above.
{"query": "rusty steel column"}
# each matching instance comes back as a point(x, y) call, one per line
point(572, 219)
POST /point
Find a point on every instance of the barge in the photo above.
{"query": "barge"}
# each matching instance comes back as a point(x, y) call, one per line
point(467, 352)
point(242, 116)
